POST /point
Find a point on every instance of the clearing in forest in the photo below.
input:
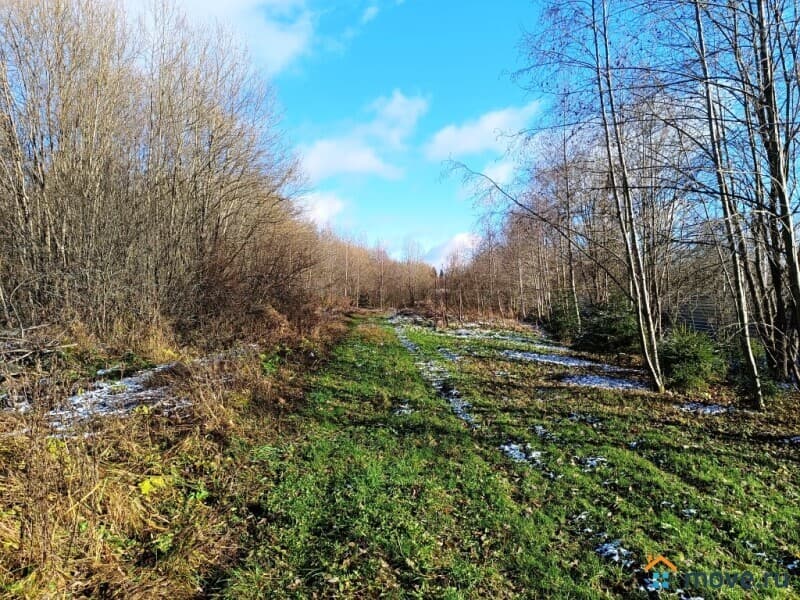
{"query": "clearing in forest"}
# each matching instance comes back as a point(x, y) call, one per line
point(462, 464)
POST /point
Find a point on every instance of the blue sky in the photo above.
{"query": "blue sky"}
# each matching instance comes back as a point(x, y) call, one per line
point(378, 94)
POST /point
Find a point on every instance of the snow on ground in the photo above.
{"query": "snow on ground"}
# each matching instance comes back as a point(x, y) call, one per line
point(522, 454)
point(615, 552)
point(706, 409)
point(792, 565)
point(554, 359)
point(607, 383)
point(459, 406)
point(409, 345)
point(437, 376)
point(403, 409)
point(590, 463)
point(110, 399)
point(584, 418)
point(488, 334)
point(449, 355)
point(543, 434)
point(480, 331)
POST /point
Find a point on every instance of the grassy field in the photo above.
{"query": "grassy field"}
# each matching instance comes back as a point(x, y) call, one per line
point(385, 491)
point(355, 477)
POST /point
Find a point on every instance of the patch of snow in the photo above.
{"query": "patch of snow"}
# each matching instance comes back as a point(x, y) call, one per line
point(449, 355)
point(478, 333)
point(792, 440)
point(792, 565)
point(607, 383)
point(684, 596)
point(463, 332)
point(109, 370)
point(111, 398)
point(614, 552)
point(437, 377)
point(544, 434)
point(581, 418)
point(108, 399)
point(409, 345)
point(489, 334)
point(706, 409)
point(650, 585)
point(553, 359)
point(403, 409)
point(459, 406)
point(120, 397)
point(522, 454)
point(514, 451)
point(14, 405)
point(398, 319)
point(591, 463)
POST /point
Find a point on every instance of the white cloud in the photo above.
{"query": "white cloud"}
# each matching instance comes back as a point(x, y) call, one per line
point(321, 208)
point(501, 172)
point(459, 248)
point(370, 13)
point(359, 152)
point(334, 156)
point(280, 44)
point(277, 32)
point(233, 8)
point(489, 132)
point(396, 117)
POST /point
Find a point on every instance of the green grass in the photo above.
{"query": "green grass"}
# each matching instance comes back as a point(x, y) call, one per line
point(358, 501)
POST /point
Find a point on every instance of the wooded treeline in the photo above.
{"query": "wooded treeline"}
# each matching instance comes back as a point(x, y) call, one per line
point(144, 180)
point(665, 174)
point(363, 277)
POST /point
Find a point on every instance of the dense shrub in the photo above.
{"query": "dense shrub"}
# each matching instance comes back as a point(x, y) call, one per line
point(740, 374)
point(563, 322)
point(609, 328)
point(690, 360)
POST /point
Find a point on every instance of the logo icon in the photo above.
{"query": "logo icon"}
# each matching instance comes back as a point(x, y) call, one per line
point(660, 578)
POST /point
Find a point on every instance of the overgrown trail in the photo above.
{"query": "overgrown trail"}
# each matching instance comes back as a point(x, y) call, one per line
point(445, 464)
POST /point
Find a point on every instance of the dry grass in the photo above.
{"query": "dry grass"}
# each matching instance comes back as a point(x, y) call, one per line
point(374, 334)
point(115, 509)
point(143, 506)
